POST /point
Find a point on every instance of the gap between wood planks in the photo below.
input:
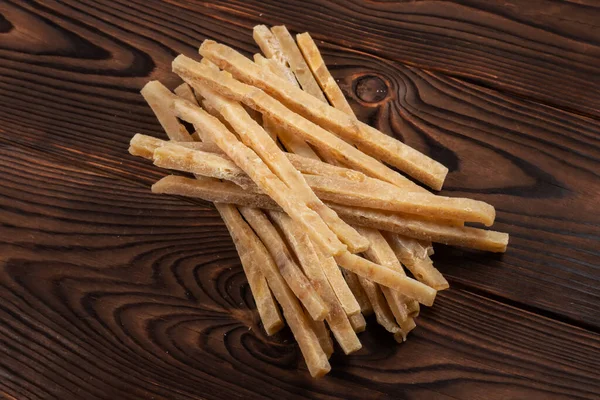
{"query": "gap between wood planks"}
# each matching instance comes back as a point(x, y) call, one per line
point(497, 297)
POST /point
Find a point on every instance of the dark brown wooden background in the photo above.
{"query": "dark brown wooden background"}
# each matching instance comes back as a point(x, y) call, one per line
point(110, 292)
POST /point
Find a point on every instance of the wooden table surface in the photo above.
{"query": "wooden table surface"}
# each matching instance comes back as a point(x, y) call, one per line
point(110, 292)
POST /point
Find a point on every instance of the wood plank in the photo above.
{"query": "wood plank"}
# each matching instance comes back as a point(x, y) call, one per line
point(543, 49)
point(536, 164)
point(135, 295)
point(546, 50)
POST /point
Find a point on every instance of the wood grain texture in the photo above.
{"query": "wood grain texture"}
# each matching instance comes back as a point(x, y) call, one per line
point(110, 296)
point(547, 50)
point(499, 149)
point(111, 292)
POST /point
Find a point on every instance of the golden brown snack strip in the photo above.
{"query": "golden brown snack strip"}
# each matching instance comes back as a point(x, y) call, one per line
point(405, 328)
point(415, 257)
point(346, 126)
point(185, 91)
point(275, 67)
point(313, 58)
point(379, 195)
point(265, 304)
point(291, 142)
point(366, 308)
point(255, 98)
point(277, 63)
point(255, 137)
point(336, 189)
point(474, 238)
point(420, 229)
point(215, 113)
point(279, 69)
point(290, 271)
point(144, 146)
point(332, 91)
point(358, 322)
point(381, 253)
point(314, 166)
point(179, 158)
point(397, 304)
point(297, 63)
point(157, 96)
point(271, 47)
point(383, 314)
point(322, 334)
point(265, 179)
point(208, 106)
point(308, 258)
point(387, 277)
point(338, 284)
point(413, 308)
point(299, 323)
point(211, 189)
point(380, 250)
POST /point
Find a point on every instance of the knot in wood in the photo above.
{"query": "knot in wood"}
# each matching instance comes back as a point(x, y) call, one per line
point(371, 89)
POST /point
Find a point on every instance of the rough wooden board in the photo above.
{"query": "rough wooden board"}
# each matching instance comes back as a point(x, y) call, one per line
point(138, 308)
point(72, 91)
point(541, 200)
point(542, 49)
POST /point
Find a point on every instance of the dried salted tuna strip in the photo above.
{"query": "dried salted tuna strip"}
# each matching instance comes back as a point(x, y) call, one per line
point(366, 308)
point(298, 321)
point(179, 158)
point(313, 58)
point(260, 173)
point(291, 272)
point(185, 91)
point(255, 98)
point(382, 311)
point(251, 260)
point(369, 193)
point(297, 63)
point(475, 238)
point(370, 139)
point(415, 257)
point(381, 253)
point(358, 322)
point(387, 277)
point(255, 137)
point(308, 258)
point(271, 47)
point(339, 284)
point(158, 98)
